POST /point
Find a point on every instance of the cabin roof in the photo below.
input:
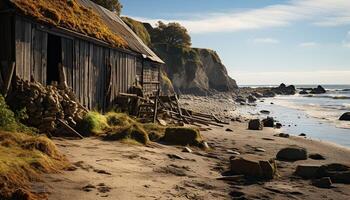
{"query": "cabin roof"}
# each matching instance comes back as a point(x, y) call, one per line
point(113, 31)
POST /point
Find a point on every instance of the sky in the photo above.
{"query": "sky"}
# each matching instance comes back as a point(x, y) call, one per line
point(264, 41)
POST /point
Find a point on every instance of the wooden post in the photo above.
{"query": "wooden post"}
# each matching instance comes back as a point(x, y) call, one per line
point(8, 79)
point(156, 107)
point(62, 76)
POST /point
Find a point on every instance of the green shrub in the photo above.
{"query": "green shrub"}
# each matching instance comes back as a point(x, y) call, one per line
point(93, 123)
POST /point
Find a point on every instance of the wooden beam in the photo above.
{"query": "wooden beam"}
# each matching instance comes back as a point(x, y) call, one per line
point(8, 78)
point(66, 126)
point(62, 76)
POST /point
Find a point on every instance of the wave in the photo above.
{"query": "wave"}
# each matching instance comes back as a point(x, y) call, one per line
point(328, 96)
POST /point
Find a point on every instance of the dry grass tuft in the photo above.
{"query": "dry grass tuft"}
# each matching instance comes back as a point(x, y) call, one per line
point(22, 158)
point(68, 14)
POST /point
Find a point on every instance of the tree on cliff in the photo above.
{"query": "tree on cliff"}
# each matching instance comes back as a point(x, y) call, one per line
point(112, 5)
point(172, 34)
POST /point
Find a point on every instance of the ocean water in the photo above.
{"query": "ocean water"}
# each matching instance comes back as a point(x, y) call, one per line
point(315, 115)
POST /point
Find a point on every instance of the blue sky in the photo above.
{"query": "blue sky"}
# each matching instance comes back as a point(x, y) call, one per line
point(264, 41)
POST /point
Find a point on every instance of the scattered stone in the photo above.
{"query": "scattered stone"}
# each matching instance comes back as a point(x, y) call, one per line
point(345, 117)
point(272, 103)
point(283, 135)
point(338, 173)
point(292, 153)
point(302, 135)
point(253, 167)
point(255, 124)
point(233, 152)
point(318, 90)
point(307, 171)
point(266, 112)
point(241, 99)
point(100, 171)
point(174, 156)
point(303, 92)
point(316, 156)
point(187, 150)
point(162, 122)
point(252, 99)
point(88, 188)
point(324, 182)
point(258, 149)
point(229, 130)
point(257, 95)
point(268, 122)
point(278, 125)
point(231, 178)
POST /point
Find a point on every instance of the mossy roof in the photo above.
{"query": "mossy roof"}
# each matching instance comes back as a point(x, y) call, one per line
point(88, 18)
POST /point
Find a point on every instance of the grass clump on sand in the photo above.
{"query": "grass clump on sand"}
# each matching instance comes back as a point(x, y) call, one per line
point(119, 126)
point(69, 14)
point(22, 158)
point(182, 136)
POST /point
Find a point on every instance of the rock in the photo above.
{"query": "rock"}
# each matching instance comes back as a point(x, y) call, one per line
point(255, 124)
point(241, 99)
point(338, 173)
point(252, 99)
point(317, 156)
point(162, 122)
point(253, 167)
point(283, 135)
point(231, 178)
point(268, 122)
point(292, 153)
point(303, 92)
point(269, 94)
point(345, 117)
point(302, 134)
point(233, 152)
point(187, 150)
point(278, 125)
point(285, 90)
point(229, 130)
point(318, 90)
point(182, 136)
point(307, 171)
point(258, 149)
point(257, 95)
point(174, 156)
point(266, 112)
point(324, 182)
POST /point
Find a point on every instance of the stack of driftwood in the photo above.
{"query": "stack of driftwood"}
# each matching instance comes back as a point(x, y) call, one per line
point(160, 108)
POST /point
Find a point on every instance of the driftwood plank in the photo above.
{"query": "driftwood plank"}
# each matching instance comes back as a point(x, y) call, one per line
point(8, 78)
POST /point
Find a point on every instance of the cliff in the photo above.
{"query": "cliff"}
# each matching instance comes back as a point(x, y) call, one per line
point(191, 70)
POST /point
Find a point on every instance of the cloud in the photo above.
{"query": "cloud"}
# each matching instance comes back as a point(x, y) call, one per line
point(317, 12)
point(266, 40)
point(346, 42)
point(308, 44)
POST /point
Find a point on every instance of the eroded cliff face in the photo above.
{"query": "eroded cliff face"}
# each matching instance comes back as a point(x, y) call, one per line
point(218, 79)
point(191, 70)
point(195, 71)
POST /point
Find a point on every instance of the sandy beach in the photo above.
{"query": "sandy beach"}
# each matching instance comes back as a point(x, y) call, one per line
point(115, 170)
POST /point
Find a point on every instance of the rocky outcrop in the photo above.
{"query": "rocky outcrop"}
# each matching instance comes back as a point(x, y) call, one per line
point(255, 124)
point(252, 167)
point(318, 90)
point(284, 90)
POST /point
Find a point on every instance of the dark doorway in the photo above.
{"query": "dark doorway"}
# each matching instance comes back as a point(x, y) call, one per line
point(54, 57)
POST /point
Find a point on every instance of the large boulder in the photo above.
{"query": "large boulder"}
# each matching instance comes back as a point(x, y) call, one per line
point(318, 90)
point(182, 136)
point(255, 124)
point(345, 117)
point(292, 153)
point(268, 122)
point(285, 90)
point(307, 171)
point(253, 167)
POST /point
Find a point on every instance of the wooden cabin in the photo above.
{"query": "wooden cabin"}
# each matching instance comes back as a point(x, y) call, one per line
point(96, 69)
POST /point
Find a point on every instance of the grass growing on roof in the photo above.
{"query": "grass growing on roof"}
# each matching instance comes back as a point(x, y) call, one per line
point(69, 14)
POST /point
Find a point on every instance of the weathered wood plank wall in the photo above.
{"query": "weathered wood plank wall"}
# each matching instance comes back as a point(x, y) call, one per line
point(96, 74)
